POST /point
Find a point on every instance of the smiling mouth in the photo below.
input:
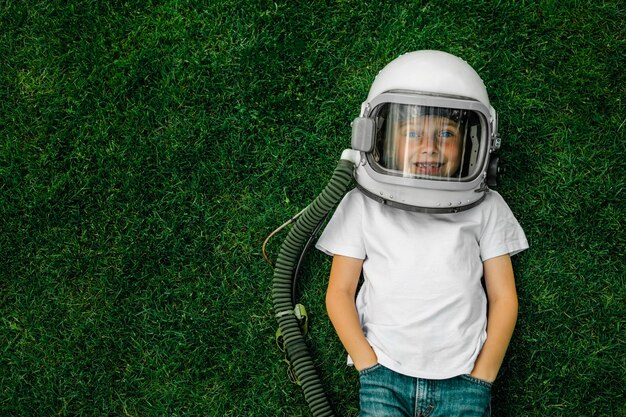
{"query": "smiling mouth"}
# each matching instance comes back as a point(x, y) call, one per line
point(428, 168)
point(428, 164)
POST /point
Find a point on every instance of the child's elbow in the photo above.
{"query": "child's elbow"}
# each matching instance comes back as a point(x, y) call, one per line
point(331, 299)
point(336, 300)
point(514, 306)
point(505, 303)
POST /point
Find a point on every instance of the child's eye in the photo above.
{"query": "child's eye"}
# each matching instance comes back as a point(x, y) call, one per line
point(446, 134)
point(412, 134)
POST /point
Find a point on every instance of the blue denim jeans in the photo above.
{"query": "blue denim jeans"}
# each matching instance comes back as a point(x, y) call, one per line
point(385, 393)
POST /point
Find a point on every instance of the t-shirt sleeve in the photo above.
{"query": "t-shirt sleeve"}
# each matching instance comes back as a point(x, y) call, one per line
point(502, 233)
point(343, 234)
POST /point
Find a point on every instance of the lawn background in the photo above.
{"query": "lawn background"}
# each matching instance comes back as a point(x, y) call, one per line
point(147, 148)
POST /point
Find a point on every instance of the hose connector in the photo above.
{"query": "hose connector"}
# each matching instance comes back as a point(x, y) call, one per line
point(352, 156)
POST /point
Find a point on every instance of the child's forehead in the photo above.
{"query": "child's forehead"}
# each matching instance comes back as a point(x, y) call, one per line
point(420, 119)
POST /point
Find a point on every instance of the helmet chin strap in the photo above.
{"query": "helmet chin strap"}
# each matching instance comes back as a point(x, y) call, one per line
point(430, 210)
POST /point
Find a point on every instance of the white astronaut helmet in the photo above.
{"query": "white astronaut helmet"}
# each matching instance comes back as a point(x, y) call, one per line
point(427, 135)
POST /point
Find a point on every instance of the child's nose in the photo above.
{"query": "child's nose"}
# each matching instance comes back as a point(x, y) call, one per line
point(430, 143)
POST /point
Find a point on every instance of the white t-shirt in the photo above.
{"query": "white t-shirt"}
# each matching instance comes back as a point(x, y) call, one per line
point(422, 306)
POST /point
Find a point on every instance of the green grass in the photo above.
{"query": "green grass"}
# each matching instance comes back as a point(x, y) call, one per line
point(147, 148)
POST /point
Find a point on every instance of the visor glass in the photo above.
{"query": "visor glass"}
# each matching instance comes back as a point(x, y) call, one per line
point(428, 142)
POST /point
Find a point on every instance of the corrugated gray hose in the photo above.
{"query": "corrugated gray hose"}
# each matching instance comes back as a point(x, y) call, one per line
point(286, 262)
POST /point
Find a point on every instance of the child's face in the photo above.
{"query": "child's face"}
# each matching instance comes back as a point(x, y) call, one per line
point(429, 145)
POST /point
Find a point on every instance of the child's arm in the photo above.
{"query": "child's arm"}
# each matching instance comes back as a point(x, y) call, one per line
point(502, 296)
point(344, 277)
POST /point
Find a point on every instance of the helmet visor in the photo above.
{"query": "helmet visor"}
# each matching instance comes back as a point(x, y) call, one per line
point(419, 141)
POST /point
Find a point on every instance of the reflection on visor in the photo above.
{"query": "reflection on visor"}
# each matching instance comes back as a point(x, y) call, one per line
point(427, 142)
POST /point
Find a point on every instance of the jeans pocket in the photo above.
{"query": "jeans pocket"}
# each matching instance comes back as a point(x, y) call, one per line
point(477, 381)
point(370, 369)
